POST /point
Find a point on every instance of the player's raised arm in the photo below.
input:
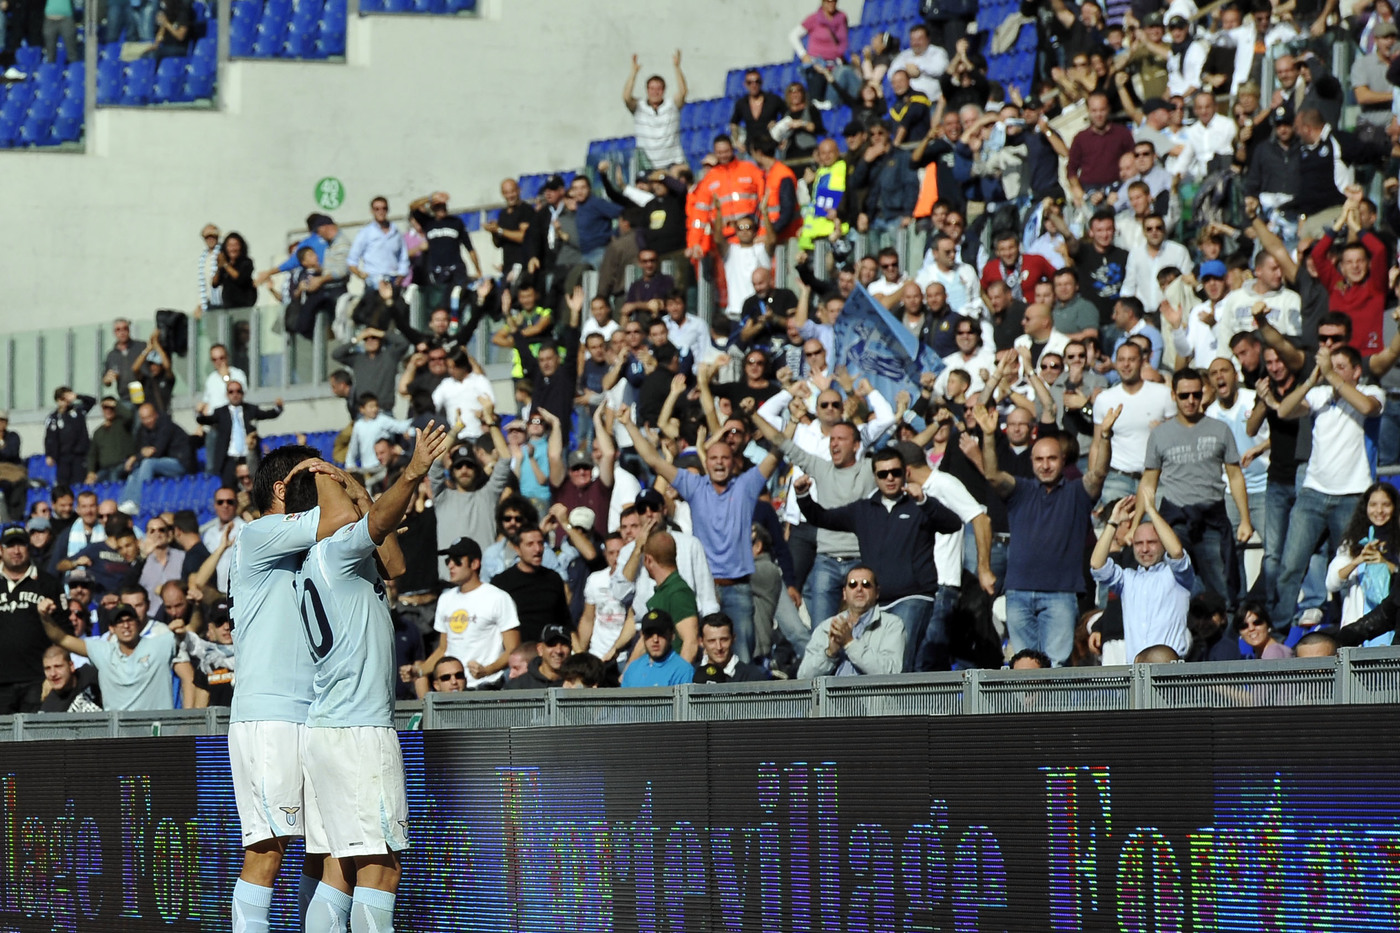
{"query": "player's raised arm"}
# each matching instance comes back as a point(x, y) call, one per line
point(337, 511)
point(389, 509)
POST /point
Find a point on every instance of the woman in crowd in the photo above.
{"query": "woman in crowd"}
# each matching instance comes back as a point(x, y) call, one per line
point(1364, 562)
point(234, 277)
point(1253, 625)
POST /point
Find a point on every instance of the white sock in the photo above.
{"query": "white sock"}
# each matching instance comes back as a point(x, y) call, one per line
point(372, 911)
point(329, 910)
point(251, 903)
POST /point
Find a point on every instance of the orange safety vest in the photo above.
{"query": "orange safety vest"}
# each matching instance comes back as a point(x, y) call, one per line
point(738, 187)
point(928, 191)
point(772, 185)
point(699, 206)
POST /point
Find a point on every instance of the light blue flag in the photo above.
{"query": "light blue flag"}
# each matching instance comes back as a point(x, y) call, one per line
point(873, 343)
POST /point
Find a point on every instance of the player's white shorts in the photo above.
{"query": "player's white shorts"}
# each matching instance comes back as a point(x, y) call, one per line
point(266, 760)
point(355, 794)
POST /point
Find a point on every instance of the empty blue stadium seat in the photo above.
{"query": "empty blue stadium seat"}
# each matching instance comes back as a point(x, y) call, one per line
point(398, 6)
point(28, 58)
point(471, 221)
point(371, 6)
point(461, 6)
point(170, 80)
point(138, 81)
point(734, 83)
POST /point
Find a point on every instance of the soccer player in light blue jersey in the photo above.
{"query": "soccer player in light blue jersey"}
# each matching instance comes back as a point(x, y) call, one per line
point(355, 794)
point(267, 722)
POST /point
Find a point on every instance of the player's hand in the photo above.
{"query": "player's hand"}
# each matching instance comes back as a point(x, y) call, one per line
point(316, 465)
point(429, 444)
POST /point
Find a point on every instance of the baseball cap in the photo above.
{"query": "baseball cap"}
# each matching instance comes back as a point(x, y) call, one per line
point(1212, 269)
point(464, 455)
point(1153, 19)
point(463, 547)
point(1385, 29)
point(582, 517)
point(1283, 113)
point(123, 611)
point(657, 620)
point(1154, 103)
point(552, 634)
point(651, 500)
point(220, 612)
point(912, 453)
point(1176, 21)
point(109, 402)
point(14, 533)
point(4, 414)
point(555, 183)
point(39, 523)
point(580, 458)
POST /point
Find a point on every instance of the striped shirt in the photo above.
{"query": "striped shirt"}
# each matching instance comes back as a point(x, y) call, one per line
point(658, 132)
point(208, 265)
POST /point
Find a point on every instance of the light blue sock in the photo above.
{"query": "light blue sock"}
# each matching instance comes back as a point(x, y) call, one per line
point(329, 910)
point(306, 889)
point(372, 911)
point(251, 903)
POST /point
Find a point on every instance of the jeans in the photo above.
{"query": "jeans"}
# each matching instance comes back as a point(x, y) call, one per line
point(1116, 485)
point(824, 585)
point(820, 89)
point(916, 612)
point(736, 601)
point(1388, 443)
point(1042, 620)
point(594, 257)
point(1315, 516)
point(146, 470)
point(110, 474)
point(997, 560)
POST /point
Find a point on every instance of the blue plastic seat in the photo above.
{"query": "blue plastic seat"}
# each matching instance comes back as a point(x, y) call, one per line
point(460, 6)
point(169, 81)
point(371, 6)
point(138, 81)
point(199, 83)
point(398, 6)
point(734, 83)
point(28, 58)
point(9, 130)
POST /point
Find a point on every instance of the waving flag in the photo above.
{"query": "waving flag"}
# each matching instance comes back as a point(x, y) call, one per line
point(873, 343)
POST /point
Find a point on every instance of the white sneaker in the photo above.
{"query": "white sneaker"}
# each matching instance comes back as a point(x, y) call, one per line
point(14, 74)
point(1310, 617)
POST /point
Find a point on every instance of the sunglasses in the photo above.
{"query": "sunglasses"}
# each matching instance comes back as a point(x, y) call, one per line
point(158, 529)
point(581, 468)
point(511, 520)
point(860, 584)
point(1331, 338)
point(828, 404)
point(889, 265)
point(888, 474)
point(1075, 356)
point(1154, 228)
point(225, 501)
point(456, 676)
point(811, 353)
point(1199, 394)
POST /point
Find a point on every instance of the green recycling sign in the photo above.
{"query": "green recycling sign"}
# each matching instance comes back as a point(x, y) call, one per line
point(329, 194)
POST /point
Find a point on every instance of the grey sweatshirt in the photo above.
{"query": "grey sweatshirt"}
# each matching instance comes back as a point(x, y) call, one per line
point(835, 487)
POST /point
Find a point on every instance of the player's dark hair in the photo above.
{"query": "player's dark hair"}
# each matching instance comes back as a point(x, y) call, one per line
point(273, 468)
point(301, 493)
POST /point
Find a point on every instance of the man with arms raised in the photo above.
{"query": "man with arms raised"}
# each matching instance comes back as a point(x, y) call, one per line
point(356, 800)
point(267, 721)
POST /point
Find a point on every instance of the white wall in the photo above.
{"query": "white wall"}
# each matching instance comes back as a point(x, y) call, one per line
point(422, 103)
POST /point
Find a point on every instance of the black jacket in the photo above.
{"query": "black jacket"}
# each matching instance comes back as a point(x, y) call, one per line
point(222, 421)
point(743, 673)
point(897, 542)
point(66, 435)
point(532, 679)
point(1273, 168)
point(21, 632)
point(168, 439)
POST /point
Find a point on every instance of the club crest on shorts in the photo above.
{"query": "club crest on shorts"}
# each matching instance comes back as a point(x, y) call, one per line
point(291, 814)
point(403, 824)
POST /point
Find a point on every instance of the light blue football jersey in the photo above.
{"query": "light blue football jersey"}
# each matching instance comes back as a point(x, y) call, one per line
point(347, 626)
point(275, 671)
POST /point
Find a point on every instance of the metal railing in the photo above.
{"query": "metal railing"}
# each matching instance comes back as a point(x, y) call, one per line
point(1356, 676)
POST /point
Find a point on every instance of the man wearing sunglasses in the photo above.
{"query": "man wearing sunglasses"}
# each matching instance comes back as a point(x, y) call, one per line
point(895, 528)
point(21, 663)
point(1186, 457)
point(862, 639)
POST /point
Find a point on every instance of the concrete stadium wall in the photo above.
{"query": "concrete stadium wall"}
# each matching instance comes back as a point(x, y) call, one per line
point(421, 103)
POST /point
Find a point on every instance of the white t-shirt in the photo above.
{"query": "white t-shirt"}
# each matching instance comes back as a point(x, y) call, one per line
point(1256, 475)
point(458, 402)
point(591, 326)
point(1197, 338)
point(1142, 411)
point(474, 623)
point(739, 266)
point(1338, 465)
point(948, 548)
point(882, 287)
point(608, 613)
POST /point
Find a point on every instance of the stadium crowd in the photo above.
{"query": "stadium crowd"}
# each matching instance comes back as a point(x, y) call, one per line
point(1153, 312)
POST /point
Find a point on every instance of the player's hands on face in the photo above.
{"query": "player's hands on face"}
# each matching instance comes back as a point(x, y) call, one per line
point(316, 465)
